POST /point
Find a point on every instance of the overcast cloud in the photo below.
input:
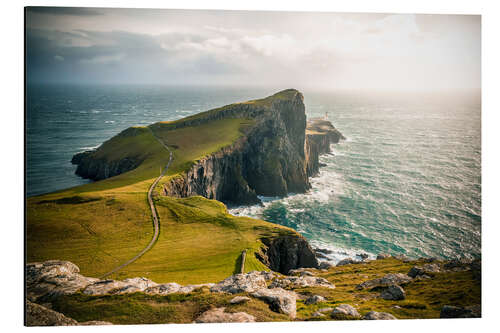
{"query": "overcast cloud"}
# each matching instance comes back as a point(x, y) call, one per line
point(302, 50)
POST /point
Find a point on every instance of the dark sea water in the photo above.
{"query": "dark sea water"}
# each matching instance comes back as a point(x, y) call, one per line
point(406, 181)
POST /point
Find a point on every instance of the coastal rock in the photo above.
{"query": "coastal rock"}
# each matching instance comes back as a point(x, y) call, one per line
point(381, 256)
point(344, 311)
point(239, 300)
point(37, 315)
point(279, 300)
point(107, 286)
point(314, 299)
point(347, 261)
point(372, 315)
point(387, 280)
point(325, 265)
point(424, 270)
point(218, 315)
point(394, 293)
point(291, 282)
point(239, 283)
point(449, 311)
point(287, 252)
point(52, 278)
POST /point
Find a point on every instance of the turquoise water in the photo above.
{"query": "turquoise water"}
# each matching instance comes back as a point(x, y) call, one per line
point(406, 181)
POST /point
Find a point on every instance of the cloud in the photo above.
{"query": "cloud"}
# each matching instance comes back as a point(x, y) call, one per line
point(71, 11)
point(351, 50)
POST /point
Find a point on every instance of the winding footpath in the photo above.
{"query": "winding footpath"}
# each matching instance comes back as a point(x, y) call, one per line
point(156, 222)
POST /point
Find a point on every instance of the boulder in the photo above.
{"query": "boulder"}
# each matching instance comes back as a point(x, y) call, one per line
point(363, 256)
point(291, 282)
point(393, 293)
point(372, 315)
point(239, 300)
point(345, 311)
point(449, 311)
point(279, 300)
point(424, 270)
point(52, 278)
point(107, 286)
point(383, 256)
point(317, 314)
point(37, 315)
point(163, 289)
point(238, 283)
point(325, 265)
point(323, 310)
point(170, 288)
point(387, 280)
point(314, 299)
point(348, 261)
point(218, 315)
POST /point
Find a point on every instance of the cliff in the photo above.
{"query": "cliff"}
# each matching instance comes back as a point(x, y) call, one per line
point(274, 153)
point(320, 134)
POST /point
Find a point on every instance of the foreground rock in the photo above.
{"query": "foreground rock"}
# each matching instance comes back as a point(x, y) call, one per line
point(387, 280)
point(52, 278)
point(449, 311)
point(372, 315)
point(348, 261)
point(314, 299)
point(219, 316)
point(393, 293)
point(428, 269)
point(170, 288)
point(279, 300)
point(239, 300)
point(345, 311)
point(291, 282)
point(239, 283)
point(37, 315)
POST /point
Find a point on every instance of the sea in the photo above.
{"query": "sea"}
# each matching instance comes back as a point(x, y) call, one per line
point(406, 181)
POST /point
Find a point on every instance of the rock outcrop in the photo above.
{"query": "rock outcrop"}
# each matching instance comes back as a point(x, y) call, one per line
point(284, 253)
point(449, 311)
point(373, 315)
point(279, 300)
point(239, 283)
point(320, 134)
point(218, 315)
point(52, 278)
point(393, 293)
point(38, 315)
point(385, 281)
point(301, 282)
point(345, 311)
point(273, 158)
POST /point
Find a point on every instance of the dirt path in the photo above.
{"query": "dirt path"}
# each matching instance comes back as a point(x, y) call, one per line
point(156, 222)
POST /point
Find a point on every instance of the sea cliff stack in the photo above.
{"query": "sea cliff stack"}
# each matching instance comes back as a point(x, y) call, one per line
point(274, 157)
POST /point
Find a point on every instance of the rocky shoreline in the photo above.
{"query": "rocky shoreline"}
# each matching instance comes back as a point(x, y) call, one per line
point(49, 280)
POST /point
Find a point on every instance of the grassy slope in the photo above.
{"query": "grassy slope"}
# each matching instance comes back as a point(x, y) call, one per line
point(102, 224)
point(424, 298)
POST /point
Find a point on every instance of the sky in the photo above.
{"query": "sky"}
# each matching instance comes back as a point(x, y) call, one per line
point(327, 51)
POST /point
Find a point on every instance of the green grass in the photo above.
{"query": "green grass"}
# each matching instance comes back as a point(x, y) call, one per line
point(102, 224)
point(424, 299)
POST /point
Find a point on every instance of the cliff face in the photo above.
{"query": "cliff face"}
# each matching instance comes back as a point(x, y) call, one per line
point(320, 134)
point(288, 252)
